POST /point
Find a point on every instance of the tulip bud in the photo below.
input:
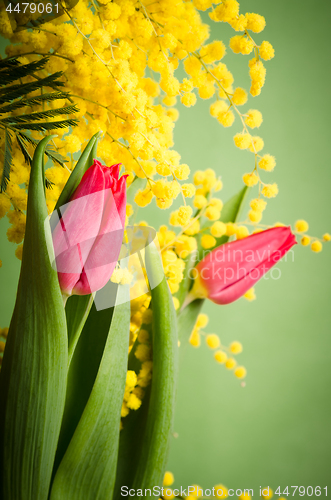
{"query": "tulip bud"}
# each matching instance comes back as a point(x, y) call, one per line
point(87, 238)
point(227, 272)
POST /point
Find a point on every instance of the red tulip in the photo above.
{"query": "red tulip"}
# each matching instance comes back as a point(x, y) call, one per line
point(88, 237)
point(228, 271)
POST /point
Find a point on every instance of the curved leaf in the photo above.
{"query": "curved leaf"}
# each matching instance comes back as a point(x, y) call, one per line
point(230, 213)
point(76, 175)
point(187, 319)
point(34, 370)
point(155, 444)
point(88, 468)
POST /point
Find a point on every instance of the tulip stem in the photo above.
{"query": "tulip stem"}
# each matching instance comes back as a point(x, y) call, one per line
point(188, 299)
point(64, 298)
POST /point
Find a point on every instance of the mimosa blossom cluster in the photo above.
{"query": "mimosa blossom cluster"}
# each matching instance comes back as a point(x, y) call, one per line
point(220, 491)
point(119, 61)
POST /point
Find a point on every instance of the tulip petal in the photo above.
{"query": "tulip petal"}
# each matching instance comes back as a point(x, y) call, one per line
point(88, 238)
point(230, 270)
point(104, 253)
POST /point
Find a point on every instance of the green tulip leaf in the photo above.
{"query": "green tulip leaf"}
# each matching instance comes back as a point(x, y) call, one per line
point(76, 175)
point(131, 440)
point(82, 373)
point(34, 370)
point(155, 444)
point(94, 151)
point(187, 319)
point(88, 468)
point(230, 213)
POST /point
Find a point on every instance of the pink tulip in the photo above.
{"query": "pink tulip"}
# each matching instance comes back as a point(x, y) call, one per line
point(88, 237)
point(228, 271)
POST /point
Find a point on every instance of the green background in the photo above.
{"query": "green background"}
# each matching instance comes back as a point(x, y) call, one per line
point(276, 430)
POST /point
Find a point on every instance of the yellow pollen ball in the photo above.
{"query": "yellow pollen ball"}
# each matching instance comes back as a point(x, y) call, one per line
point(131, 378)
point(255, 216)
point(241, 44)
point(188, 99)
point(305, 240)
point(226, 118)
point(218, 185)
point(212, 213)
point(267, 162)
point(218, 229)
point(236, 347)
point(245, 496)
point(199, 201)
point(250, 294)
point(221, 491)
point(258, 204)
point(198, 177)
point(253, 118)
point(250, 179)
point(19, 252)
point(176, 303)
point(256, 144)
point(216, 203)
point(168, 479)
point(133, 402)
point(326, 237)
point(266, 51)
point(212, 52)
point(240, 372)
point(239, 96)
point(242, 140)
point(208, 241)
point(301, 226)
point(168, 494)
point(197, 491)
point(242, 232)
point(188, 190)
point(184, 214)
point(270, 190)
point(213, 341)
point(316, 246)
point(255, 22)
point(193, 227)
point(231, 229)
point(226, 11)
point(182, 172)
point(230, 363)
point(269, 493)
point(220, 356)
point(195, 338)
point(143, 352)
point(202, 321)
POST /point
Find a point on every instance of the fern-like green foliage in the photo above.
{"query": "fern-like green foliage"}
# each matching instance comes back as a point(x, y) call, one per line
point(15, 97)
